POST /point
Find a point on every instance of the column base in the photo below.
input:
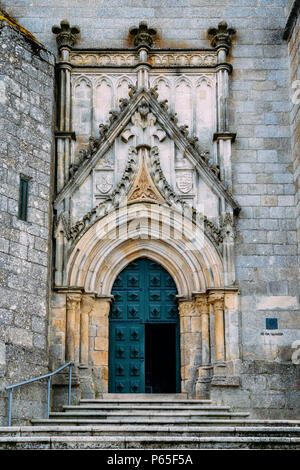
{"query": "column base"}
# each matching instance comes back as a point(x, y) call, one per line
point(87, 388)
point(60, 389)
point(203, 382)
point(224, 374)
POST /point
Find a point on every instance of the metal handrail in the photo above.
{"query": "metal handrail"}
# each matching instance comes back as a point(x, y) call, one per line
point(47, 376)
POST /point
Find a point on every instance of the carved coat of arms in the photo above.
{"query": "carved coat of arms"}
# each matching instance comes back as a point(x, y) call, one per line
point(105, 184)
point(184, 181)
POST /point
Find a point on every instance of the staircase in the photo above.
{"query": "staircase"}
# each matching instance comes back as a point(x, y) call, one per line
point(151, 422)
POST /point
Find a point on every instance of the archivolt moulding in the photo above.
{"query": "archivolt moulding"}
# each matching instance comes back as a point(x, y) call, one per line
point(145, 230)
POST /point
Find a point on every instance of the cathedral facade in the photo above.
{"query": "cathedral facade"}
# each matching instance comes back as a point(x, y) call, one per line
point(149, 198)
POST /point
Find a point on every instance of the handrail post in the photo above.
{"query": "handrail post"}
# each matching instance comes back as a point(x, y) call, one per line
point(48, 397)
point(70, 384)
point(9, 407)
point(42, 377)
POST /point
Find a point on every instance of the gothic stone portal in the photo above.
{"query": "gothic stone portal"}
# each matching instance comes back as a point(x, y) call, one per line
point(144, 331)
point(141, 145)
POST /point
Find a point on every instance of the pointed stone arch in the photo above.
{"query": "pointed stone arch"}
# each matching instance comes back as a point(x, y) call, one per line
point(183, 92)
point(123, 78)
point(152, 230)
point(83, 102)
point(102, 103)
point(158, 81)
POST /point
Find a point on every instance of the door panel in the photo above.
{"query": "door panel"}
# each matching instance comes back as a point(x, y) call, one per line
point(126, 364)
point(144, 293)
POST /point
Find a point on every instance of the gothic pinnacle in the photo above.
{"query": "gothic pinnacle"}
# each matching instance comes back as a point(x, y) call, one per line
point(221, 37)
point(143, 36)
point(66, 36)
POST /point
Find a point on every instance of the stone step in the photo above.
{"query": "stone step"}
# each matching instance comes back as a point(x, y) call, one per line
point(144, 406)
point(158, 413)
point(143, 402)
point(167, 421)
point(157, 423)
point(140, 396)
point(147, 442)
point(162, 430)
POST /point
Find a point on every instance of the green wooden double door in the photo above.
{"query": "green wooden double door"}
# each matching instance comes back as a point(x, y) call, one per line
point(144, 351)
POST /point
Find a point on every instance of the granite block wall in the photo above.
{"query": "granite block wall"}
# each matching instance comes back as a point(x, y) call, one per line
point(267, 390)
point(265, 154)
point(263, 163)
point(26, 107)
point(294, 48)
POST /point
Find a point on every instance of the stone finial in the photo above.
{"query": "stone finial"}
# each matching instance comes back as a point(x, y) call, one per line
point(228, 229)
point(66, 36)
point(143, 36)
point(222, 36)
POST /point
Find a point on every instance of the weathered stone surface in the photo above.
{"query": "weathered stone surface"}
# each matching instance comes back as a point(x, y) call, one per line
point(26, 80)
point(225, 381)
point(265, 167)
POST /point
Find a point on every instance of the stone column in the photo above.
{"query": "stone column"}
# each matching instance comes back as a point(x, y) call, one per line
point(203, 309)
point(204, 372)
point(66, 37)
point(59, 255)
point(73, 309)
point(189, 342)
point(221, 40)
point(57, 329)
point(143, 40)
point(87, 307)
point(217, 301)
point(228, 232)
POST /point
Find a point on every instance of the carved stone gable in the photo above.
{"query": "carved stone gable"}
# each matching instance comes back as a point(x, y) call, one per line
point(144, 125)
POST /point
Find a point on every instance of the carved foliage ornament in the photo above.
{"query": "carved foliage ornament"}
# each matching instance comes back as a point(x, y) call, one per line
point(124, 187)
point(170, 59)
point(112, 201)
point(202, 304)
point(222, 36)
point(186, 308)
point(104, 59)
point(143, 36)
point(66, 35)
point(228, 228)
point(143, 127)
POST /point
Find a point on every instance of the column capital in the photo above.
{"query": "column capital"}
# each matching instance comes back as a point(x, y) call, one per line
point(73, 297)
point(217, 299)
point(65, 135)
point(186, 307)
point(201, 302)
point(224, 136)
point(87, 304)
